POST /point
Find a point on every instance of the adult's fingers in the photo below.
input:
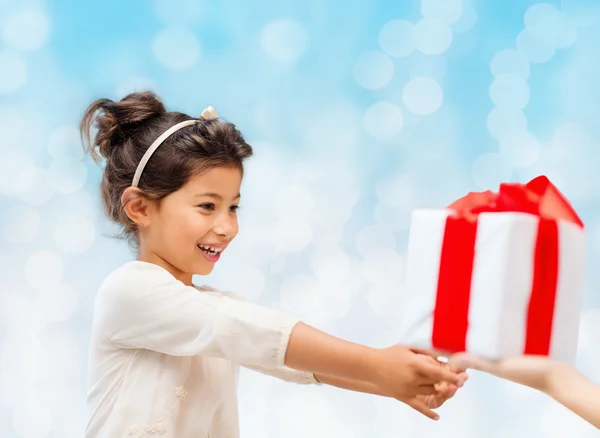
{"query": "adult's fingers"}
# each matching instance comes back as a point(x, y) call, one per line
point(468, 361)
point(434, 373)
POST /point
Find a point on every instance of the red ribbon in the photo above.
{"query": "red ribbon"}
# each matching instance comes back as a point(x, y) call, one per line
point(451, 314)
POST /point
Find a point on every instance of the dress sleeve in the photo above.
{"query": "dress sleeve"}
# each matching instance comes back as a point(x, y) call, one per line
point(281, 372)
point(157, 312)
point(288, 374)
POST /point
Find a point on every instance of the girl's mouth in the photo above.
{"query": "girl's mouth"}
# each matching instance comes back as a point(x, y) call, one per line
point(211, 253)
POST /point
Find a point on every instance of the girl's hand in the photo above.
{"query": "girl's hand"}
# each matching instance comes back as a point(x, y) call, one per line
point(444, 390)
point(534, 371)
point(416, 379)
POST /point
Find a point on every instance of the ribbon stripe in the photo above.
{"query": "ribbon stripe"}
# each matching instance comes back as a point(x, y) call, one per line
point(451, 314)
point(540, 314)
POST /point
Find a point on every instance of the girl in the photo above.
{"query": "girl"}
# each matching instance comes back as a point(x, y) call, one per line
point(561, 382)
point(165, 353)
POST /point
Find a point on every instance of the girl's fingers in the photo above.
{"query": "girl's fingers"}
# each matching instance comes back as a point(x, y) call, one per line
point(426, 389)
point(421, 407)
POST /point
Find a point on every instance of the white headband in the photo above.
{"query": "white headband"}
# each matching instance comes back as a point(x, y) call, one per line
point(208, 114)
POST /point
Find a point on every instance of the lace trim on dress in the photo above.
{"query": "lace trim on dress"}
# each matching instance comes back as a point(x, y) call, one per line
point(160, 426)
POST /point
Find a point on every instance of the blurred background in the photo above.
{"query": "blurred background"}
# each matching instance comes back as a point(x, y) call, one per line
point(358, 111)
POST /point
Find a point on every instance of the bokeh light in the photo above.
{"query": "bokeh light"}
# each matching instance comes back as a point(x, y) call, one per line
point(432, 36)
point(383, 120)
point(26, 29)
point(422, 95)
point(395, 38)
point(284, 40)
point(373, 70)
point(176, 48)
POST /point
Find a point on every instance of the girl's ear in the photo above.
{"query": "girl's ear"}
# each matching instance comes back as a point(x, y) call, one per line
point(137, 206)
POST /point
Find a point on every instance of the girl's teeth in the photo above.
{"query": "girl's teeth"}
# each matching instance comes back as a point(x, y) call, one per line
point(210, 250)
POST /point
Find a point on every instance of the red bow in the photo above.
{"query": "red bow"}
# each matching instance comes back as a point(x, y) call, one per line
point(538, 197)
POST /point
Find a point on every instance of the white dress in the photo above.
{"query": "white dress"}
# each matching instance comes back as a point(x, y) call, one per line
point(164, 356)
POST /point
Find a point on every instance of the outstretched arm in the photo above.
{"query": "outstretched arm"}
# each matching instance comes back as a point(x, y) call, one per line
point(576, 393)
point(561, 382)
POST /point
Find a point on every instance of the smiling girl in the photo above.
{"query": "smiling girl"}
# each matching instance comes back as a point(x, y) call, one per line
point(165, 353)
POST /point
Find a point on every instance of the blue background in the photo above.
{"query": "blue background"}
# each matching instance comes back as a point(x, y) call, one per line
point(358, 112)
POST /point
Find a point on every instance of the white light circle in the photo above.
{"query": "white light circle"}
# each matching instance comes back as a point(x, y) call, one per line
point(74, 234)
point(284, 40)
point(373, 70)
point(13, 74)
point(548, 25)
point(331, 264)
point(176, 48)
point(467, 19)
point(297, 294)
point(17, 173)
point(503, 122)
point(65, 143)
point(448, 11)
point(20, 223)
point(532, 48)
point(67, 175)
point(40, 190)
point(395, 38)
point(257, 245)
point(393, 218)
point(419, 64)
point(432, 36)
point(373, 238)
point(178, 12)
point(521, 149)
point(43, 269)
point(58, 303)
point(32, 421)
point(383, 120)
point(489, 170)
point(510, 61)
point(292, 235)
point(382, 267)
point(510, 91)
point(249, 280)
point(572, 139)
point(26, 29)
point(422, 95)
point(293, 201)
point(13, 124)
point(396, 192)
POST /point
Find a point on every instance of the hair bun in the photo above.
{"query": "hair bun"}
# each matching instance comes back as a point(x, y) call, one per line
point(117, 121)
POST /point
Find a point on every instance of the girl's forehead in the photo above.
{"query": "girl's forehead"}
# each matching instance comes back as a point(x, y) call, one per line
point(216, 180)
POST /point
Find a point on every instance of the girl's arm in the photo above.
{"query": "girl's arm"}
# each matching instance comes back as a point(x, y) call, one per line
point(351, 385)
point(561, 382)
point(395, 372)
point(146, 308)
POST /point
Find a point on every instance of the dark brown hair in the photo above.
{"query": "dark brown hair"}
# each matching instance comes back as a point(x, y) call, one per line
point(127, 128)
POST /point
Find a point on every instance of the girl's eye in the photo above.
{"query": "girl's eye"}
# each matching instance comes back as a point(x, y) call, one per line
point(208, 207)
point(234, 208)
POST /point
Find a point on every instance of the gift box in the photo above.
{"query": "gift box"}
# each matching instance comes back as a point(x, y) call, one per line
point(496, 274)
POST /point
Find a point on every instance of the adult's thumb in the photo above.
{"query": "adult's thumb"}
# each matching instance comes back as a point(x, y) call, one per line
point(468, 361)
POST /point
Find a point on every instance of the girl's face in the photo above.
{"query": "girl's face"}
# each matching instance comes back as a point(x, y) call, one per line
point(190, 229)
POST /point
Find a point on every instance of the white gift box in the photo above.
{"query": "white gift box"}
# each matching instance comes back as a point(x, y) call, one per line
point(503, 302)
